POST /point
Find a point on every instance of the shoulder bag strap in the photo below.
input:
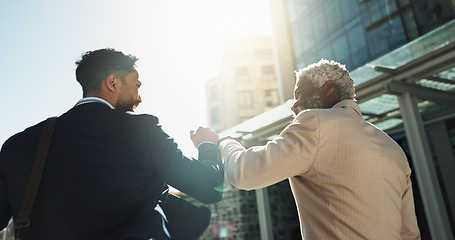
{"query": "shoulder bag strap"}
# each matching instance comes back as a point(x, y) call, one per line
point(23, 219)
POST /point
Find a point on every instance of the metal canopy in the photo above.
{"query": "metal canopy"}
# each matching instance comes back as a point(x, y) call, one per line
point(421, 92)
point(262, 125)
point(421, 58)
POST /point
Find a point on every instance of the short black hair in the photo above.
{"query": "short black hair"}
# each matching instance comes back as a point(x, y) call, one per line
point(96, 65)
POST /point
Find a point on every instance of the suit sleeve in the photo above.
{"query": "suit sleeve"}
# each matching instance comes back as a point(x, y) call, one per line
point(409, 228)
point(199, 178)
point(291, 154)
point(5, 209)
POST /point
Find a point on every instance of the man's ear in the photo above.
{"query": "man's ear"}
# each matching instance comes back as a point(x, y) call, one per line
point(111, 83)
point(329, 88)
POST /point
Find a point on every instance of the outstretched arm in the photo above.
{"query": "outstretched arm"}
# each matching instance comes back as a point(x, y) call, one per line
point(198, 178)
point(291, 154)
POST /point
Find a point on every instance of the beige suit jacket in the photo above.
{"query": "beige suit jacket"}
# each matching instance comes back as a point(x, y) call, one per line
point(349, 179)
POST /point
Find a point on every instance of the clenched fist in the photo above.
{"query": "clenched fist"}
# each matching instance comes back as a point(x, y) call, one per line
point(203, 134)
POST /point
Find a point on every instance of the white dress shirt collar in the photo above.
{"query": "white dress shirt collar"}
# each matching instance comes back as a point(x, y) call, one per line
point(94, 99)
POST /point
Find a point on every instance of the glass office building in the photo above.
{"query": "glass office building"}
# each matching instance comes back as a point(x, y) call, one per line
point(355, 32)
point(401, 55)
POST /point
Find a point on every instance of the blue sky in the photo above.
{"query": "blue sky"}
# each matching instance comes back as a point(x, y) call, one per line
point(178, 42)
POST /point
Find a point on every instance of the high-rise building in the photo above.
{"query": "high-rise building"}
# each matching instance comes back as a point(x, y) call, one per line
point(247, 84)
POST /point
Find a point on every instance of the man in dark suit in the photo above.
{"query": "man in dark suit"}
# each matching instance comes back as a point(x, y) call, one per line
point(107, 168)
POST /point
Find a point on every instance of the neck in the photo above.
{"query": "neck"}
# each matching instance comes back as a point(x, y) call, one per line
point(106, 97)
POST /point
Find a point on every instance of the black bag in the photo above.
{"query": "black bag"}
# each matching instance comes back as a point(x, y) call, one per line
point(185, 221)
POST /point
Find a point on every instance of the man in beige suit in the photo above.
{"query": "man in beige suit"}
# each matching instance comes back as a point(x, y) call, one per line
point(350, 180)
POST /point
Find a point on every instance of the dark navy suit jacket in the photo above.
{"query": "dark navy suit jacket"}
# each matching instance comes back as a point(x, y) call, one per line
point(105, 172)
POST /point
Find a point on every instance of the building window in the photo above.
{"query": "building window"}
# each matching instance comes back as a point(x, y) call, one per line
point(386, 37)
point(267, 70)
point(340, 48)
point(358, 46)
point(245, 99)
point(241, 71)
point(213, 92)
point(307, 37)
point(333, 16)
point(214, 116)
point(262, 52)
point(239, 53)
point(319, 22)
point(272, 98)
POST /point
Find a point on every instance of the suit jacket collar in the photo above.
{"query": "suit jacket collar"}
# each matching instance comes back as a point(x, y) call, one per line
point(94, 99)
point(348, 103)
point(90, 107)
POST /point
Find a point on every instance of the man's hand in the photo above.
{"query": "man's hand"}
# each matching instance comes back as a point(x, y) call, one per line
point(203, 134)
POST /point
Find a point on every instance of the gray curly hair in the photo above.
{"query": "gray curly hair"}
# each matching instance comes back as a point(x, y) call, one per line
point(323, 71)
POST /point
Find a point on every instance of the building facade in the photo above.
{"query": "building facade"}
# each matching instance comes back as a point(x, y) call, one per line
point(247, 84)
point(355, 32)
